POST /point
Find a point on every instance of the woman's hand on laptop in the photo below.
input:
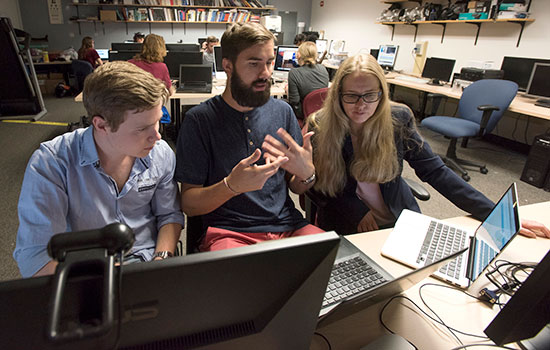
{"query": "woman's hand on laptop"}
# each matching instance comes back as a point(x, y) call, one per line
point(532, 229)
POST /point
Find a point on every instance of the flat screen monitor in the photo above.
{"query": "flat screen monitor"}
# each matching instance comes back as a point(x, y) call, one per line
point(527, 312)
point(183, 47)
point(387, 54)
point(218, 58)
point(518, 69)
point(322, 45)
point(173, 60)
point(336, 46)
point(103, 53)
point(121, 55)
point(285, 58)
point(265, 296)
point(136, 47)
point(438, 70)
point(539, 84)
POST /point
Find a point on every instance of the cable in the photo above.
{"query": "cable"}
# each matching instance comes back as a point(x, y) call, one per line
point(118, 299)
point(526, 128)
point(325, 339)
point(491, 345)
point(515, 128)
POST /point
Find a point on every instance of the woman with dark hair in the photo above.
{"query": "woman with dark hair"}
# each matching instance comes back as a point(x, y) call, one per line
point(360, 142)
point(88, 53)
point(306, 78)
point(151, 59)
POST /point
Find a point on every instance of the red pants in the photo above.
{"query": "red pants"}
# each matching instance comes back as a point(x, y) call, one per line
point(219, 238)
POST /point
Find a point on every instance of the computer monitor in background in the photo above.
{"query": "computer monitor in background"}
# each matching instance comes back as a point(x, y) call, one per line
point(103, 53)
point(218, 58)
point(374, 53)
point(539, 84)
point(135, 47)
point(527, 312)
point(438, 70)
point(121, 55)
point(264, 296)
point(285, 60)
point(518, 69)
point(387, 54)
point(322, 45)
point(336, 46)
point(173, 60)
point(183, 47)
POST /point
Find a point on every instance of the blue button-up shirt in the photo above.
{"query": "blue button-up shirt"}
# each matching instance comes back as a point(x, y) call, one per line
point(65, 189)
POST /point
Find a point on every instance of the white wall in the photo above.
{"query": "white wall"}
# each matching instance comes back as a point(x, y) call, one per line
point(355, 22)
point(10, 8)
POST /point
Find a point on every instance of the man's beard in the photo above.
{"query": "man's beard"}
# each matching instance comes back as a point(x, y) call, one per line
point(245, 95)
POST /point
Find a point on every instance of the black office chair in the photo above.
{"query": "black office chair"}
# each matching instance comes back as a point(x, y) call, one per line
point(81, 69)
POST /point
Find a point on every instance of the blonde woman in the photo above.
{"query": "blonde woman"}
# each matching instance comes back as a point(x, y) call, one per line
point(151, 59)
point(88, 53)
point(361, 140)
point(306, 78)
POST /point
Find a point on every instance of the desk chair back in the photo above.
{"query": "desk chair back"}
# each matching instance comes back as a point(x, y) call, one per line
point(81, 69)
point(495, 92)
point(313, 102)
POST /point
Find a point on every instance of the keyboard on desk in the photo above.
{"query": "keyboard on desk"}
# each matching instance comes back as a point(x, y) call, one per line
point(349, 277)
point(411, 79)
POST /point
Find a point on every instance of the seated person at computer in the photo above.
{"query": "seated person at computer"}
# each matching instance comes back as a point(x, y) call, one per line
point(299, 39)
point(306, 78)
point(243, 198)
point(139, 37)
point(359, 146)
point(88, 53)
point(208, 50)
point(151, 59)
point(116, 170)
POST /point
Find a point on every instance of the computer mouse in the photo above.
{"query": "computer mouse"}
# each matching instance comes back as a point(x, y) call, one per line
point(389, 342)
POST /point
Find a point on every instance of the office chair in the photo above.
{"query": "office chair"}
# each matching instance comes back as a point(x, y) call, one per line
point(81, 69)
point(313, 102)
point(480, 108)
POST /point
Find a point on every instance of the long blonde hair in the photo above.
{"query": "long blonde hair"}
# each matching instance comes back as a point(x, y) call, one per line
point(375, 157)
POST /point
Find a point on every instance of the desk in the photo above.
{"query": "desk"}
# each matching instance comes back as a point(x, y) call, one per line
point(520, 104)
point(54, 66)
point(455, 308)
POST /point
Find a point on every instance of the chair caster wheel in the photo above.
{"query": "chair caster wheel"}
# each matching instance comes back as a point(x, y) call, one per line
point(483, 170)
point(466, 178)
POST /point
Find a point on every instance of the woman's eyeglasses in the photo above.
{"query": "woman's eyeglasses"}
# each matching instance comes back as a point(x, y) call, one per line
point(369, 97)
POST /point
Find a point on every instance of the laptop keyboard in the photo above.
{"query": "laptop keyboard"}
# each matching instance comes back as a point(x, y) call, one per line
point(350, 277)
point(442, 240)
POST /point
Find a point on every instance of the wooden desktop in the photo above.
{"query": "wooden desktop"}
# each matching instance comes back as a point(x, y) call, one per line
point(455, 308)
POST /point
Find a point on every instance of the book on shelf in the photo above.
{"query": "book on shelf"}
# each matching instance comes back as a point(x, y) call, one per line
point(142, 14)
point(157, 14)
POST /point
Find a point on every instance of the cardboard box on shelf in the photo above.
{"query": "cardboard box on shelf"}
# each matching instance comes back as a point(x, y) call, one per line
point(58, 76)
point(47, 86)
point(107, 15)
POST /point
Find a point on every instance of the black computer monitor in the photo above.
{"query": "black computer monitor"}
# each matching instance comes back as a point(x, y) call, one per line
point(438, 70)
point(527, 312)
point(539, 84)
point(135, 47)
point(285, 58)
point(173, 60)
point(121, 55)
point(219, 58)
point(518, 69)
point(265, 296)
point(387, 54)
point(183, 47)
point(374, 53)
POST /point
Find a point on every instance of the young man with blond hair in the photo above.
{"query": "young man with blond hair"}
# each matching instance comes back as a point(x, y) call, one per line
point(241, 194)
point(116, 170)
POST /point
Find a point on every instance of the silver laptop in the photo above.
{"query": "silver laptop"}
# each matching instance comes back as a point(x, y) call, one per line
point(357, 282)
point(417, 240)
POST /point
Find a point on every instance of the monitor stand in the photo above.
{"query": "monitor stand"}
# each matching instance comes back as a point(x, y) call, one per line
point(434, 81)
point(543, 102)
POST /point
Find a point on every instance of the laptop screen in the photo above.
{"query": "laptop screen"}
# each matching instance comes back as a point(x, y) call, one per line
point(497, 230)
point(103, 53)
point(195, 73)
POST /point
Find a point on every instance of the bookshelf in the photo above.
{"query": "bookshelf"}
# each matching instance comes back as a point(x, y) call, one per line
point(170, 12)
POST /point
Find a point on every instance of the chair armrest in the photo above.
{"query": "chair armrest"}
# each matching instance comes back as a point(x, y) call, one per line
point(417, 189)
point(487, 111)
